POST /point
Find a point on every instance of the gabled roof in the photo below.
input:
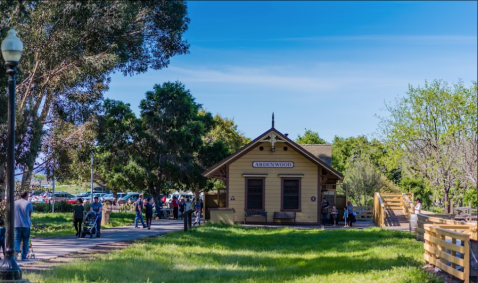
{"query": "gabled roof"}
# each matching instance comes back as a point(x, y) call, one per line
point(248, 147)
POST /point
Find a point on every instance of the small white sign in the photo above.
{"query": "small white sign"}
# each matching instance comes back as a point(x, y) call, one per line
point(272, 164)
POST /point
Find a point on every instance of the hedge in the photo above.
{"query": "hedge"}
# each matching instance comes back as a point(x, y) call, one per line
point(60, 206)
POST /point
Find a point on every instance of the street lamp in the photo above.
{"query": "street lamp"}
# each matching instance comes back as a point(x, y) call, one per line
point(12, 48)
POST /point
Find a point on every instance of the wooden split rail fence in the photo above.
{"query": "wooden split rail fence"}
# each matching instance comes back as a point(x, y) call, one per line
point(449, 244)
point(449, 248)
point(363, 212)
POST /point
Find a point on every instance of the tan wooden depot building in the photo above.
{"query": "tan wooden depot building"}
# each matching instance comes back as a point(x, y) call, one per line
point(274, 174)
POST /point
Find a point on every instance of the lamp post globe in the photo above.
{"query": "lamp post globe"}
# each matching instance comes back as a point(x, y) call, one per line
point(12, 48)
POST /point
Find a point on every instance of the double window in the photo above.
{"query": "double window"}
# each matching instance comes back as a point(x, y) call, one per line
point(255, 193)
point(290, 194)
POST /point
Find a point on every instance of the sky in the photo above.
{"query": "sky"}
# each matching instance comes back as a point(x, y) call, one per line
point(325, 66)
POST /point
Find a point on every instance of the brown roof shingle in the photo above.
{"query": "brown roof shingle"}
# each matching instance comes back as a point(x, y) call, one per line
point(321, 151)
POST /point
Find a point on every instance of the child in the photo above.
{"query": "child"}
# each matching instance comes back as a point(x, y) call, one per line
point(149, 213)
point(335, 212)
point(2, 236)
point(198, 219)
point(346, 214)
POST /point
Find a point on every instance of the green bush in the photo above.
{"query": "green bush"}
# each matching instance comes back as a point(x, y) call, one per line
point(60, 206)
point(126, 208)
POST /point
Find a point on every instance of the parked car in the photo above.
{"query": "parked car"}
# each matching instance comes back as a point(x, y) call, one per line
point(83, 195)
point(73, 200)
point(110, 197)
point(59, 196)
point(130, 196)
point(88, 198)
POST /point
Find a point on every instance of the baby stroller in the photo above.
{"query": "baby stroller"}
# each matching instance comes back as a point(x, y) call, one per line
point(31, 253)
point(89, 226)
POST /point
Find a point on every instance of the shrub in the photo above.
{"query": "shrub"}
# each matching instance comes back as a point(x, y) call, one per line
point(60, 206)
point(126, 208)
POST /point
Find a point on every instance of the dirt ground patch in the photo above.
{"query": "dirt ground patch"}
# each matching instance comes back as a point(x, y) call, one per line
point(85, 254)
point(447, 278)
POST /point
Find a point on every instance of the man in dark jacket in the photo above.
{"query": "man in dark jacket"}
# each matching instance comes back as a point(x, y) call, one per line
point(325, 211)
point(138, 208)
point(149, 213)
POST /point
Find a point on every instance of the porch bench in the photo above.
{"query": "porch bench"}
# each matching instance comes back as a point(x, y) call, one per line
point(284, 215)
point(255, 214)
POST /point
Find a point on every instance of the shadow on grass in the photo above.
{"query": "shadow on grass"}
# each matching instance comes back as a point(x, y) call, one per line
point(225, 254)
point(236, 268)
point(289, 240)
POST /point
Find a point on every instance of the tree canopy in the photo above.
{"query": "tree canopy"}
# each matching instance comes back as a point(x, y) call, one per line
point(70, 50)
point(310, 137)
point(425, 131)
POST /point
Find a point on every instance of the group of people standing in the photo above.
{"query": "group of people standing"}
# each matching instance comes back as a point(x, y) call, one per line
point(178, 206)
point(349, 215)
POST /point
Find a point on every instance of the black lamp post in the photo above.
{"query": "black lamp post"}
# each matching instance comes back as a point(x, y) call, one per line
point(12, 48)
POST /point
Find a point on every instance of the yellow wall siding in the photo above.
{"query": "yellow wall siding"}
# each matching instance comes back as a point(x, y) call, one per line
point(302, 165)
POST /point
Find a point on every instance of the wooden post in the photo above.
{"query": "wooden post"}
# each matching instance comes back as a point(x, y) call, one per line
point(453, 253)
point(466, 257)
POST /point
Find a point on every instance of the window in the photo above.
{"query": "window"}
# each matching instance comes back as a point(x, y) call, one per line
point(291, 194)
point(255, 193)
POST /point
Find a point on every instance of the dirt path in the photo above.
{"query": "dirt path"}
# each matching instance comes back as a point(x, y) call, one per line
point(54, 251)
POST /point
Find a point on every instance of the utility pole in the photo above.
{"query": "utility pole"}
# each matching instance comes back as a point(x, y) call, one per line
point(53, 195)
point(91, 199)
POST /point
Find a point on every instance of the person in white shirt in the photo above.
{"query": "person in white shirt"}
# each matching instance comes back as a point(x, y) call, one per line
point(418, 207)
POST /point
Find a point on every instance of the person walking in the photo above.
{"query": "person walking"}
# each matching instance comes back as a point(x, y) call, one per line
point(418, 207)
point(350, 210)
point(97, 207)
point(198, 208)
point(175, 203)
point(182, 207)
point(138, 208)
point(149, 212)
point(2, 236)
point(23, 223)
point(325, 211)
point(78, 215)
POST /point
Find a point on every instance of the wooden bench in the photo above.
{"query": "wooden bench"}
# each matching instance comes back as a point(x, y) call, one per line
point(255, 214)
point(284, 215)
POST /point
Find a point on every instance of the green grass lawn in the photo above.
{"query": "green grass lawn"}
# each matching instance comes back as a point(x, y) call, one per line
point(61, 224)
point(236, 254)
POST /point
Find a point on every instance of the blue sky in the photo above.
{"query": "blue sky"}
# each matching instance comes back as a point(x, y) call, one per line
point(325, 66)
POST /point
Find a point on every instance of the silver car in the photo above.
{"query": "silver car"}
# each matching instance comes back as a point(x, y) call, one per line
point(110, 197)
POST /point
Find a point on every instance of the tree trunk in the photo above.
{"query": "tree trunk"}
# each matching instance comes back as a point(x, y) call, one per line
point(27, 177)
point(196, 193)
point(447, 202)
point(154, 193)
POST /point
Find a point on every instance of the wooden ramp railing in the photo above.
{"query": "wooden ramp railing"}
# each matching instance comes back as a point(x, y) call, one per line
point(378, 210)
point(392, 210)
point(436, 218)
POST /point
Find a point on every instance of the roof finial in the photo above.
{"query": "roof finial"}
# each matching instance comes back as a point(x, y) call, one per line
point(272, 119)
